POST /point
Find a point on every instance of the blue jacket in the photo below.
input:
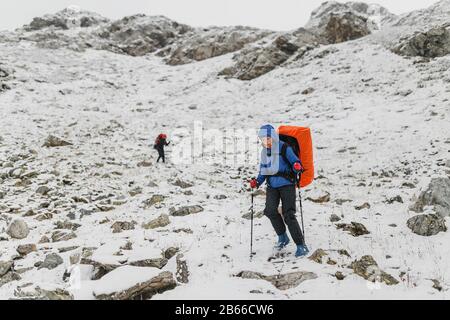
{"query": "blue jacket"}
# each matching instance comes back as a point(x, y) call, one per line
point(272, 162)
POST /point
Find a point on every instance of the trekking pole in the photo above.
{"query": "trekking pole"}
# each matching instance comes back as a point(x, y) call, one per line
point(301, 207)
point(251, 228)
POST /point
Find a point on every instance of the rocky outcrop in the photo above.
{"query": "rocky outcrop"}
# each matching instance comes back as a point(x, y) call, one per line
point(427, 224)
point(256, 61)
point(430, 44)
point(436, 195)
point(377, 16)
point(69, 18)
point(139, 35)
point(345, 27)
point(368, 268)
point(209, 43)
point(282, 281)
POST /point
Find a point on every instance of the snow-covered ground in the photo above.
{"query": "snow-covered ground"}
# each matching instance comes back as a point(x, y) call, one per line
point(378, 121)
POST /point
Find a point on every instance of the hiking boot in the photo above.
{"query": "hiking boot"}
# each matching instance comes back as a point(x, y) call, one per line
point(283, 241)
point(302, 251)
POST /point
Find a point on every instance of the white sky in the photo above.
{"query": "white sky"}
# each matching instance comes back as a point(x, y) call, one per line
point(270, 14)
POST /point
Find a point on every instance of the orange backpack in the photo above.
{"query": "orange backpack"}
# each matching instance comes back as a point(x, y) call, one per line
point(299, 139)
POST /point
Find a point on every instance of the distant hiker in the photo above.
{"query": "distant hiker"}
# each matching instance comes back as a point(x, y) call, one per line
point(160, 143)
point(280, 168)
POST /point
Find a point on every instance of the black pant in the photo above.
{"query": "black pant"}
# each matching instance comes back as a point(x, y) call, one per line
point(161, 155)
point(287, 196)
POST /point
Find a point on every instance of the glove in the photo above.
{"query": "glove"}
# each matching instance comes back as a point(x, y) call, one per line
point(253, 184)
point(298, 167)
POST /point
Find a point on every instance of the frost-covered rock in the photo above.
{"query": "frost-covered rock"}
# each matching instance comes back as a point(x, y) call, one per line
point(133, 283)
point(209, 43)
point(281, 281)
point(69, 18)
point(182, 274)
point(18, 229)
point(187, 210)
point(368, 268)
point(437, 195)
point(427, 224)
point(430, 44)
point(160, 222)
point(356, 229)
point(377, 16)
point(52, 142)
point(139, 34)
point(256, 60)
point(345, 27)
point(5, 267)
point(436, 14)
point(120, 226)
point(51, 261)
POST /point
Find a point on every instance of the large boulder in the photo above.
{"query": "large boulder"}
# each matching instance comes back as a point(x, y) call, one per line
point(430, 44)
point(133, 283)
point(18, 229)
point(437, 195)
point(427, 224)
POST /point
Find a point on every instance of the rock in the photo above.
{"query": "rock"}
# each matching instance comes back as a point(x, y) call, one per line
point(5, 267)
point(182, 274)
point(335, 218)
point(257, 215)
point(427, 224)
point(75, 258)
point(25, 249)
point(339, 275)
point(318, 255)
point(135, 191)
point(160, 222)
point(51, 261)
point(68, 18)
point(346, 26)
point(320, 199)
point(44, 239)
point(430, 44)
point(342, 201)
point(210, 43)
point(154, 263)
point(100, 269)
point(43, 190)
point(367, 268)
point(156, 198)
point(170, 252)
point(58, 236)
point(220, 197)
point(365, 205)
point(182, 184)
point(437, 285)
point(143, 290)
point(52, 142)
point(282, 281)
point(255, 61)
point(120, 226)
point(394, 199)
point(144, 164)
point(356, 229)
point(18, 229)
point(67, 225)
point(9, 277)
point(437, 194)
point(187, 210)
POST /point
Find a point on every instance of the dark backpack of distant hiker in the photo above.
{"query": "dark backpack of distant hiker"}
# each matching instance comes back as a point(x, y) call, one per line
point(299, 139)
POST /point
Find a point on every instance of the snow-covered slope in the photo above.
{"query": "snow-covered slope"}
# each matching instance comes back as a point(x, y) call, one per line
point(380, 130)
